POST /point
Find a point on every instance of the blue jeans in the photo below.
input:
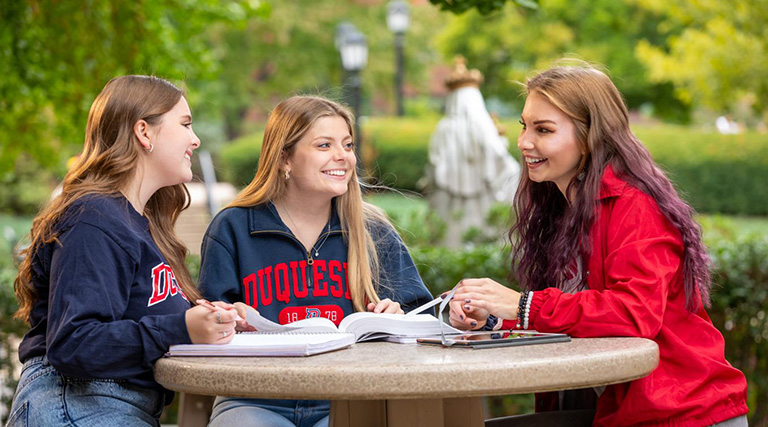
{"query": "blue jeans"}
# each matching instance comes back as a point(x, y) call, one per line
point(44, 397)
point(230, 411)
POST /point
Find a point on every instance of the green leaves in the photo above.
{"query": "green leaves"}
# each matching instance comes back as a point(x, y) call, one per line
point(56, 56)
point(514, 42)
point(485, 7)
point(716, 53)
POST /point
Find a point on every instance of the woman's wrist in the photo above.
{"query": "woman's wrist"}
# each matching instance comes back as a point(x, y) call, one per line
point(523, 308)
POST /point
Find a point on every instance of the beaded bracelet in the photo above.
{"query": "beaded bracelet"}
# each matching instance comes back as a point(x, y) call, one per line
point(521, 309)
point(527, 309)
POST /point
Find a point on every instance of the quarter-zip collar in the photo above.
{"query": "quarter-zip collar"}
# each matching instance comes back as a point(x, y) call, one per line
point(265, 219)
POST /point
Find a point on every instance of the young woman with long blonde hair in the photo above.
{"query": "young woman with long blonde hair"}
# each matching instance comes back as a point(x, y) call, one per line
point(299, 242)
point(103, 284)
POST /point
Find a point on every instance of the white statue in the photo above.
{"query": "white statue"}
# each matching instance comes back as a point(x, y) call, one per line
point(470, 167)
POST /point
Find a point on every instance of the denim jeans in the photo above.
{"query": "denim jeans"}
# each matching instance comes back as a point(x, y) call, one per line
point(44, 397)
point(230, 411)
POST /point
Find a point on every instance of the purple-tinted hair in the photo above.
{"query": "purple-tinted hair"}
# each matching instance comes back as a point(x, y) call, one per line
point(547, 232)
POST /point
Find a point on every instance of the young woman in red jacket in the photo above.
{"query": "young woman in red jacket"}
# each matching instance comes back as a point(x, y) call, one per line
point(603, 246)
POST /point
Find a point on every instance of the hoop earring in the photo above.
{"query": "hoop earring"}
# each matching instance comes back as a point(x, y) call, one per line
point(581, 175)
point(287, 174)
point(151, 148)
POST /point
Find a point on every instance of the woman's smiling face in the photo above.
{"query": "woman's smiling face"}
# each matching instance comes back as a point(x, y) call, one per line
point(322, 162)
point(548, 142)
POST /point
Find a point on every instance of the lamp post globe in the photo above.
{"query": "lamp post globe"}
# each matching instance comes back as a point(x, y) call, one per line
point(354, 58)
point(398, 20)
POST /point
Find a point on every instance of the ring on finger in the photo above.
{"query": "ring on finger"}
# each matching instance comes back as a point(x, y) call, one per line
point(218, 317)
point(224, 334)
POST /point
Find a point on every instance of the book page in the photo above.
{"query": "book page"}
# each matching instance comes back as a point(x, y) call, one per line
point(262, 324)
point(366, 325)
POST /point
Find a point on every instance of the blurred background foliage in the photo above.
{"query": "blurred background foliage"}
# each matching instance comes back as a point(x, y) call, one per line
point(679, 63)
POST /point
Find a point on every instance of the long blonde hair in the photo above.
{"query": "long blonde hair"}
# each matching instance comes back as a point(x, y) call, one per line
point(287, 124)
point(106, 165)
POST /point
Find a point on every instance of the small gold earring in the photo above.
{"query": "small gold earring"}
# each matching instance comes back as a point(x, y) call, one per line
point(287, 175)
point(150, 149)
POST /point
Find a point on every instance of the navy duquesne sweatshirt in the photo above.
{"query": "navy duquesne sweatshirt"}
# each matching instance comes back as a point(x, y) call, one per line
point(250, 255)
point(108, 304)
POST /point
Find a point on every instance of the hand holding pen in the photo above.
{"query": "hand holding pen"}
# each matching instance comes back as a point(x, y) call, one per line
point(210, 323)
point(222, 307)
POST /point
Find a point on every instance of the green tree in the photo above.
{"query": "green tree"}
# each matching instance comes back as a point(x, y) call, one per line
point(510, 44)
point(715, 53)
point(293, 52)
point(483, 6)
point(55, 56)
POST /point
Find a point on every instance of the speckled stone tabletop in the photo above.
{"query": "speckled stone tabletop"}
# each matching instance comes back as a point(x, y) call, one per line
point(380, 370)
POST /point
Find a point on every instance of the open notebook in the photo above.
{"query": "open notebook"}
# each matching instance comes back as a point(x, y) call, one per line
point(364, 326)
point(269, 344)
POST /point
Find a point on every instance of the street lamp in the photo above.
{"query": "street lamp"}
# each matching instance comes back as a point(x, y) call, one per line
point(398, 20)
point(354, 57)
point(342, 30)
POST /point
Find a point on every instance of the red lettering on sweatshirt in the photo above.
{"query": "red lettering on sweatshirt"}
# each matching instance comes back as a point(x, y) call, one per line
point(265, 295)
point(321, 286)
point(295, 268)
point(284, 281)
point(337, 288)
point(346, 280)
point(249, 283)
point(164, 284)
point(282, 287)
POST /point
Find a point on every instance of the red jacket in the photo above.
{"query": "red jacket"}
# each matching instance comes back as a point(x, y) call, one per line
point(635, 280)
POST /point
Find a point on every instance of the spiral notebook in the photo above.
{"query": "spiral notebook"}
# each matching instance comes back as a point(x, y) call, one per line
point(294, 343)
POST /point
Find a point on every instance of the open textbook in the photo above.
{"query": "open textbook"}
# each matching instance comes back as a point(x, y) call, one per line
point(317, 335)
point(365, 326)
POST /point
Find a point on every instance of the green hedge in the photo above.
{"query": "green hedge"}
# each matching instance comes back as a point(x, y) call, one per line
point(715, 173)
point(236, 163)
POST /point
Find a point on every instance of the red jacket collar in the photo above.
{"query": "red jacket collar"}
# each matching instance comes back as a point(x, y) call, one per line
point(610, 184)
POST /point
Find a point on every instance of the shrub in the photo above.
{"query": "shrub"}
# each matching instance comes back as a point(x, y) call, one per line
point(25, 189)
point(715, 173)
point(238, 160)
point(740, 309)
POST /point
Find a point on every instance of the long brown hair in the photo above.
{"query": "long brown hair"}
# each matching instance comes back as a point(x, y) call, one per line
point(108, 162)
point(287, 124)
point(548, 233)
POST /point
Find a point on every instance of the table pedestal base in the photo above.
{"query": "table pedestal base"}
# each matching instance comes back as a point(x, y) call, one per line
point(458, 412)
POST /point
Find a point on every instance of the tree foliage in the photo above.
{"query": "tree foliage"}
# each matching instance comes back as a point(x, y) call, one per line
point(55, 56)
point(485, 7)
point(294, 52)
point(509, 45)
point(714, 52)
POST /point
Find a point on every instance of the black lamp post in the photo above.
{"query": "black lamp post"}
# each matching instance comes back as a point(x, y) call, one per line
point(354, 57)
point(398, 20)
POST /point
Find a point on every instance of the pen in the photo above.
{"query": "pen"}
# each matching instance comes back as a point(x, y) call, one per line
point(208, 305)
point(423, 307)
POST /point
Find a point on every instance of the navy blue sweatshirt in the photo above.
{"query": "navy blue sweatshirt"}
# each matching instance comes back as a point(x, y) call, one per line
point(250, 255)
point(108, 305)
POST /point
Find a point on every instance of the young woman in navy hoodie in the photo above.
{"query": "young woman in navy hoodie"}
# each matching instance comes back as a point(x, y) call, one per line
point(103, 284)
point(300, 242)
